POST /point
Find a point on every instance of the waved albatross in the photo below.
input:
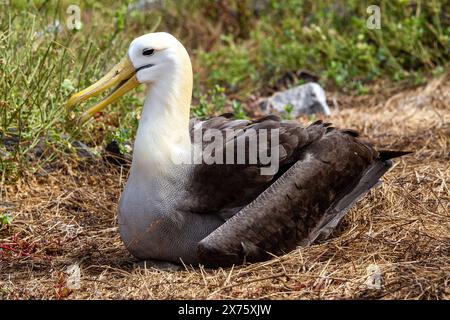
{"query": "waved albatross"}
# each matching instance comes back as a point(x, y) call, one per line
point(218, 214)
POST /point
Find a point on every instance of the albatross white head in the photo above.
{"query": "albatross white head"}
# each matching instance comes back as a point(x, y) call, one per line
point(161, 62)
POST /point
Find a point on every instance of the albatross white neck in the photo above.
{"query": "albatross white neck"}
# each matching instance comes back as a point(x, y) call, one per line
point(163, 137)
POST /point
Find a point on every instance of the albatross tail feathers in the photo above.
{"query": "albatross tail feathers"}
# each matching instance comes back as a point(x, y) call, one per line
point(390, 154)
point(370, 179)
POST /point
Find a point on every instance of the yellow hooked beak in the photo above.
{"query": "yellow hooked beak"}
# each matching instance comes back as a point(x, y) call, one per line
point(122, 76)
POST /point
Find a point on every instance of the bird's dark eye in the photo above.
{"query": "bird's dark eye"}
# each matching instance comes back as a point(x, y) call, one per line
point(148, 52)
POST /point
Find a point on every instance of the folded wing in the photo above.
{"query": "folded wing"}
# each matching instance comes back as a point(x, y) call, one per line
point(225, 188)
point(330, 174)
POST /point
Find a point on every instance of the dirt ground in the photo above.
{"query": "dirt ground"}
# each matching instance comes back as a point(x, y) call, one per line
point(394, 244)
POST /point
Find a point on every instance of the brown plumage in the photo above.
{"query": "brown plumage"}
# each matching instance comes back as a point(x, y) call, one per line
point(321, 169)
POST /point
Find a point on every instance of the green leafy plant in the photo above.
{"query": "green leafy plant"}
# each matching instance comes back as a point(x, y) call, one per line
point(289, 110)
point(211, 103)
point(238, 110)
point(122, 137)
point(5, 219)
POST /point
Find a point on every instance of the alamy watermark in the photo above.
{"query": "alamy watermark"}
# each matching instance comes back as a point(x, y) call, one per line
point(374, 277)
point(73, 20)
point(73, 277)
point(374, 20)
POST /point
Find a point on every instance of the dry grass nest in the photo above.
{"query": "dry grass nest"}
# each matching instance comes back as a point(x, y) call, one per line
point(394, 244)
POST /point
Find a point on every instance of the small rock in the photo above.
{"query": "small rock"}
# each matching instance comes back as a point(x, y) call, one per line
point(305, 99)
point(10, 142)
point(83, 151)
point(114, 155)
point(38, 150)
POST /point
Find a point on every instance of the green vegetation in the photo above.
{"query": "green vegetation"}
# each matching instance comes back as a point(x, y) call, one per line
point(237, 50)
point(5, 219)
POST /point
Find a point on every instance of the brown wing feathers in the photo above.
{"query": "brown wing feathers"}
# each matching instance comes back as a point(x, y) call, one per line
point(287, 212)
point(323, 171)
point(219, 187)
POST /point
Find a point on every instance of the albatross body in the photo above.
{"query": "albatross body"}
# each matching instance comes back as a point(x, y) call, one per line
point(222, 214)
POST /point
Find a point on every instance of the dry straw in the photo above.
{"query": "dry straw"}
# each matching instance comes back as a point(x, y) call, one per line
point(393, 244)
